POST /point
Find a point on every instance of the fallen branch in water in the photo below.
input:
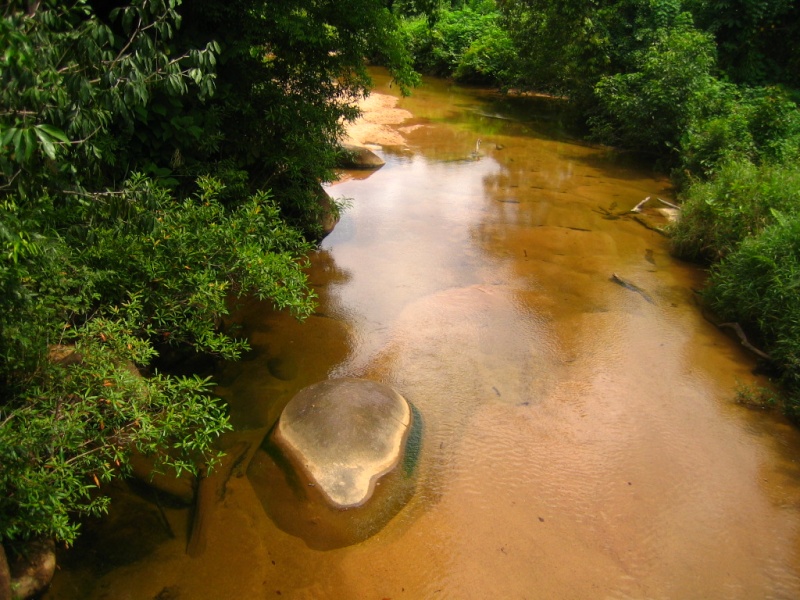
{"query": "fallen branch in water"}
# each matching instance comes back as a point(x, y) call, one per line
point(631, 286)
point(670, 204)
point(735, 326)
point(743, 339)
point(210, 490)
point(608, 213)
point(638, 207)
point(644, 223)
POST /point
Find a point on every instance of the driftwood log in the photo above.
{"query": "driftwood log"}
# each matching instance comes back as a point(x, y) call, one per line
point(638, 207)
point(611, 213)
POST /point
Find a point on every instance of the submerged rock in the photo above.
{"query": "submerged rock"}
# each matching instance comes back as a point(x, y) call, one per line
point(340, 463)
point(344, 434)
point(329, 213)
point(33, 569)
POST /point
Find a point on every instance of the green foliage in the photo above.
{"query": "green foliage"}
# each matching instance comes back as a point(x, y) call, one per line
point(569, 45)
point(760, 125)
point(184, 260)
point(105, 264)
point(468, 43)
point(76, 424)
point(754, 38)
point(292, 71)
point(717, 132)
point(562, 46)
point(668, 102)
point(757, 285)
point(489, 59)
point(740, 201)
point(75, 89)
point(163, 272)
point(648, 109)
point(774, 124)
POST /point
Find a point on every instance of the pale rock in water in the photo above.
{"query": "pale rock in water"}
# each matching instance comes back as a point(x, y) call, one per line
point(344, 434)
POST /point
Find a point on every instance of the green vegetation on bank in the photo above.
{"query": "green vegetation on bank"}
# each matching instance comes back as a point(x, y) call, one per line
point(707, 90)
point(466, 42)
point(157, 161)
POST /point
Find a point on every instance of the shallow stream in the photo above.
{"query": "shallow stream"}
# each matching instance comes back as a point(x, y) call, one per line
point(580, 438)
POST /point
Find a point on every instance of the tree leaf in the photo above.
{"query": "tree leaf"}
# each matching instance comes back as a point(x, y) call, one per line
point(47, 143)
point(53, 132)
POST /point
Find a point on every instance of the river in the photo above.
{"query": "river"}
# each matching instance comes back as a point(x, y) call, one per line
point(579, 438)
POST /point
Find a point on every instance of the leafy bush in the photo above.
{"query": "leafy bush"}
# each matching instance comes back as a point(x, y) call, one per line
point(104, 267)
point(184, 260)
point(417, 36)
point(75, 425)
point(717, 132)
point(730, 123)
point(467, 43)
point(109, 293)
point(774, 122)
point(669, 103)
point(740, 201)
point(648, 109)
point(757, 285)
point(489, 59)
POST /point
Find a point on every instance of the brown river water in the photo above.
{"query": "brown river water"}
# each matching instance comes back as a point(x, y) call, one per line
point(579, 439)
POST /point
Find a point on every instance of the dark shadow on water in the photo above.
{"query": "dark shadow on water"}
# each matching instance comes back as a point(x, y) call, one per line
point(132, 530)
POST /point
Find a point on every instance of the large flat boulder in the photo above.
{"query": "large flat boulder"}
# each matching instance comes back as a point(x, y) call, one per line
point(359, 157)
point(344, 435)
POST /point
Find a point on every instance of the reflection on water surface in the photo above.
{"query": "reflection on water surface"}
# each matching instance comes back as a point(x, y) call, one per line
point(579, 441)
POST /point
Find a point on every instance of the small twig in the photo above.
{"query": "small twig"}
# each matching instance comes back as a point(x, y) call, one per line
point(6, 420)
point(95, 194)
point(10, 181)
point(82, 454)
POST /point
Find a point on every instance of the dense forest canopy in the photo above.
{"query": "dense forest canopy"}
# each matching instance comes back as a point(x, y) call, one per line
point(159, 159)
